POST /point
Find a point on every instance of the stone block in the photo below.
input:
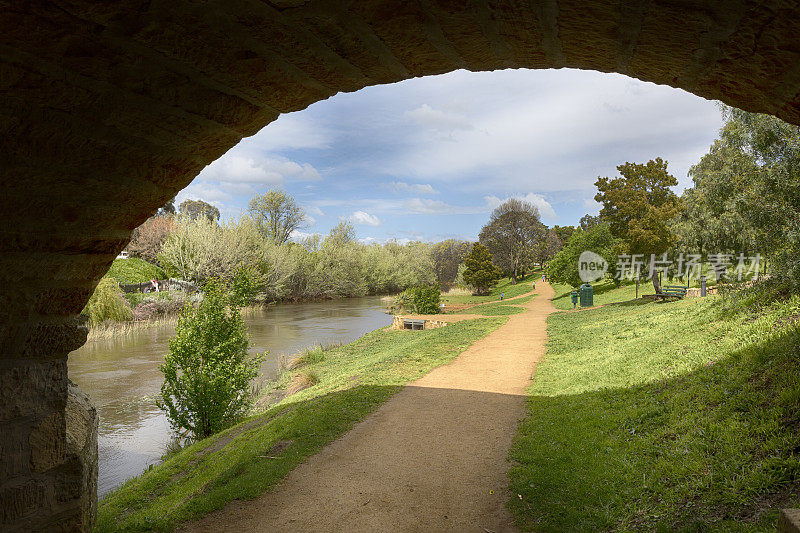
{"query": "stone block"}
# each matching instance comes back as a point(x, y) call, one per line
point(30, 388)
point(48, 443)
point(789, 521)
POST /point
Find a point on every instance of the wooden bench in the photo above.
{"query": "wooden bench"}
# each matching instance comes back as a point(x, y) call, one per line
point(673, 291)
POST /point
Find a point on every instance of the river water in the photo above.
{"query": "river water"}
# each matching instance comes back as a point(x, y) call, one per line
point(123, 380)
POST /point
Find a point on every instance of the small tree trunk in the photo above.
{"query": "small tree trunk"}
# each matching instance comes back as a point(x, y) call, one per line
point(656, 283)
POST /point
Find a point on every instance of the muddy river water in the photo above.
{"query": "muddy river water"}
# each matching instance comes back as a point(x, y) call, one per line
point(122, 377)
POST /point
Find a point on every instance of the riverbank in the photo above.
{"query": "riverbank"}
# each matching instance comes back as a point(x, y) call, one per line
point(351, 381)
point(662, 416)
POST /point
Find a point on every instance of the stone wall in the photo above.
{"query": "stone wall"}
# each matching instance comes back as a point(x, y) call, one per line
point(109, 108)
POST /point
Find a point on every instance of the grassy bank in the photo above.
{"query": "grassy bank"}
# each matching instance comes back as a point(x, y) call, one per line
point(134, 270)
point(504, 286)
point(345, 384)
point(662, 416)
point(500, 308)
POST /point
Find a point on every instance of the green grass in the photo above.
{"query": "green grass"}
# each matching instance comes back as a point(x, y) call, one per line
point(503, 286)
point(500, 308)
point(605, 292)
point(134, 270)
point(351, 382)
point(660, 417)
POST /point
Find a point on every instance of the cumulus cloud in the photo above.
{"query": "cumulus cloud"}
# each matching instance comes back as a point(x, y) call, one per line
point(314, 210)
point(545, 209)
point(437, 119)
point(299, 236)
point(363, 218)
point(233, 168)
point(592, 207)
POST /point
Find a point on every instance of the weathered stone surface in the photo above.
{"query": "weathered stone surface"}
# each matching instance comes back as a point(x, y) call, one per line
point(78, 485)
point(109, 108)
point(48, 443)
point(789, 521)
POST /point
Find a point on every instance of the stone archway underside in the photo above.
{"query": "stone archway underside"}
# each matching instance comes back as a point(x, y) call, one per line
point(109, 108)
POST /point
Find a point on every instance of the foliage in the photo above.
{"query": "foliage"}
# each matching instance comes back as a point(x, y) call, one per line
point(447, 256)
point(564, 232)
point(107, 303)
point(147, 239)
point(201, 250)
point(244, 285)
point(207, 372)
point(424, 299)
point(480, 273)
point(134, 270)
point(510, 234)
point(198, 210)
point(546, 247)
point(746, 194)
point(638, 207)
point(563, 268)
point(276, 215)
point(680, 416)
point(354, 380)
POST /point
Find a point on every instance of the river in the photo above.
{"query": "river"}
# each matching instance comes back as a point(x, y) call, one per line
point(123, 380)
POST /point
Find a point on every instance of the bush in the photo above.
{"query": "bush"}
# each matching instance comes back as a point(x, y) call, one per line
point(107, 303)
point(244, 285)
point(425, 299)
point(157, 309)
point(207, 372)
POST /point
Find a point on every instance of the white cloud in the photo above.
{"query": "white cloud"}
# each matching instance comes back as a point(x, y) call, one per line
point(291, 131)
point(436, 119)
point(233, 168)
point(427, 206)
point(367, 240)
point(362, 218)
point(417, 188)
point(537, 200)
point(298, 236)
point(314, 210)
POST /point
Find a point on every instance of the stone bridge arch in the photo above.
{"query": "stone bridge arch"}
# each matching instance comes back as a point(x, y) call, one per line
point(109, 108)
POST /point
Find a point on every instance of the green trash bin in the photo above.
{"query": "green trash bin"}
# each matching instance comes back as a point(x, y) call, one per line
point(574, 295)
point(587, 295)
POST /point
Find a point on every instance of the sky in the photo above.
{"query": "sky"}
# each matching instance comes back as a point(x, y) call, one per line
point(429, 158)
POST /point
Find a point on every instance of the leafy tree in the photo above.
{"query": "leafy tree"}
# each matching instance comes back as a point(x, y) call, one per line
point(198, 209)
point(168, 209)
point(638, 206)
point(546, 247)
point(481, 273)
point(512, 230)
point(207, 372)
point(563, 233)
point(588, 221)
point(148, 239)
point(276, 215)
point(563, 268)
point(447, 255)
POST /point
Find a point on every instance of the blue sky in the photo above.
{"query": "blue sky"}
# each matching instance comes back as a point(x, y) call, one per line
point(428, 158)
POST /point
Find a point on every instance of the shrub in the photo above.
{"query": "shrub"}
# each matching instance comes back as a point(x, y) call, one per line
point(425, 299)
point(207, 372)
point(107, 303)
point(244, 285)
point(157, 309)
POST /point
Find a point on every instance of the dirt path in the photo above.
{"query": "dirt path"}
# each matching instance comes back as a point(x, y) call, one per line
point(432, 458)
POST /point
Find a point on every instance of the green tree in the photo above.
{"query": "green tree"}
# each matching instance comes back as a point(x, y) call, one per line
point(563, 267)
point(563, 232)
point(510, 234)
point(447, 255)
point(198, 209)
point(207, 372)
point(481, 273)
point(276, 215)
point(638, 206)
